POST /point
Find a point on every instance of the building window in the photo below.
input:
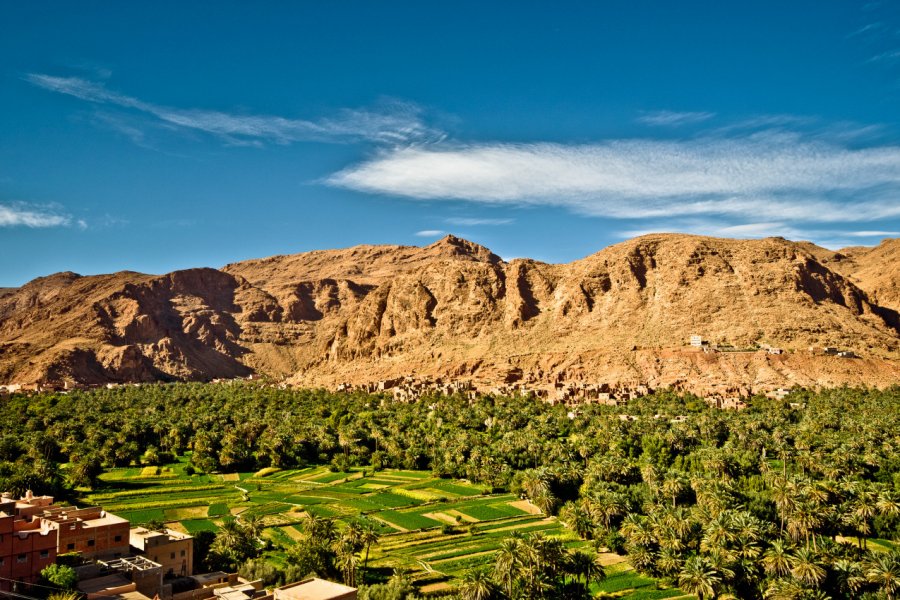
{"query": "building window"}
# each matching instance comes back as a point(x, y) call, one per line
point(90, 542)
point(172, 555)
point(22, 558)
point(118, 538)
point(2, 561)
point(70, 546)
point(182, 552)
point(45, 553)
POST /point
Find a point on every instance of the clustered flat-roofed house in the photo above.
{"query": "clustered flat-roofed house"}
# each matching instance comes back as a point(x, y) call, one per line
point(315, 589)
point(171, 549)
point(34, 531)
point(26, 546)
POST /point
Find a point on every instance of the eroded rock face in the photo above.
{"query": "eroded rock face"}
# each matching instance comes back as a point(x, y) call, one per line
point(454, 309)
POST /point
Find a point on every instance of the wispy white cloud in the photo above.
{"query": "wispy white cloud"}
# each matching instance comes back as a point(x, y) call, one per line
point(718, 228)
point(670, 118)
point(827, 237)
point(864, 234)
point(393, 123)
point(890, 55)
point(868, 28)
point(19, 214)
point(429, 233)
point(474, 222)
point(764, 177)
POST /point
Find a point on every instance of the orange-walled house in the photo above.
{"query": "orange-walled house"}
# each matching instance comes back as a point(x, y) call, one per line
point(33, 531)
point(91, 531)
point(172, 549)
point(26, 547)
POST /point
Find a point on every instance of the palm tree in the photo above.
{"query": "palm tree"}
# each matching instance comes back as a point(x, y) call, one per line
point(233, 541)
point(535, 483)
point(785, 497)
point(347, 559)
point(806, 567)
point(585, 565)
point(253, 524)
point(717, 533)
point(598, 573)
point(803, 521)
point(672, 486)
point(785, 589)
point(777, 559)
point(636, 530)
point(576, 517)
point(641, 558)
point(368, 537)
point(545, 501)
point(352, 535)
point(607, 506)
point(507, 562)
point(669, 562)
point(477, 585)
point(70, 595)
point(850, 576)
point(698, 577)
point(888, 504)
point(883, 570)
point(319, 530)
point(864, 507)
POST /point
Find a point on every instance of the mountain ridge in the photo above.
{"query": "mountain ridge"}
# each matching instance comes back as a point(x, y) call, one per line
point(455, 310)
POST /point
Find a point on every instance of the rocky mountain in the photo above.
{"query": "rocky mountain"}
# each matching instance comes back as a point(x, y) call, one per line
point(455, 310)
point(876, 270)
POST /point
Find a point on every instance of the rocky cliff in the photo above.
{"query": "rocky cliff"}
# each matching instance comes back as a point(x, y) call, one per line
point(455, 310)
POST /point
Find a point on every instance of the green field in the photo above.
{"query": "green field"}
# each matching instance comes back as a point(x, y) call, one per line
point(434, 528)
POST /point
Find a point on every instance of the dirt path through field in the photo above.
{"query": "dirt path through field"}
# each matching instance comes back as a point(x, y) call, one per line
point(526, 506)
point(523, 525)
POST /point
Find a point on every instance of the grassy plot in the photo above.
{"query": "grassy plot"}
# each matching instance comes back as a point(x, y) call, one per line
point(407, 520)
point(622, 581)
point(195, 526)
point(450, 555)
point(436, 529)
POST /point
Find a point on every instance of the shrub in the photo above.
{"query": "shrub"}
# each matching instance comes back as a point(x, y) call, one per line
point(61, 576)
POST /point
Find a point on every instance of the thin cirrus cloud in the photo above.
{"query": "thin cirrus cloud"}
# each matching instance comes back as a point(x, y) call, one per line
point(429, 233)
point(35, 217)
point(475, 222)
point(670, 118)
point(762, 176)
point(829, 238)
point(872, 234)
point(885, 56)
point(397, 122)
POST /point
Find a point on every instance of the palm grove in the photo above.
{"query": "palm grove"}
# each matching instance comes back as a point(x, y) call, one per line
point(776, 501)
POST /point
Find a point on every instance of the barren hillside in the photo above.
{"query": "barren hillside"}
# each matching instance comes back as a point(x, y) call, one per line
point(453, 309)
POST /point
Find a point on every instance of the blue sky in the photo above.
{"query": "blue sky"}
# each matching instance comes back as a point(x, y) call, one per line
point(170, 135)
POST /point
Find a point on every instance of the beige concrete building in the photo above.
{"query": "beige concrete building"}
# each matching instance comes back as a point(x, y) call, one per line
point(26, 547)
point(315, 589)
point(34, 531)
point(172, 549)
point(91, 531)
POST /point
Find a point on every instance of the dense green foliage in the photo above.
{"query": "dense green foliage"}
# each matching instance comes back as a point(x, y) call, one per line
point(62, 576)
point(787, 499)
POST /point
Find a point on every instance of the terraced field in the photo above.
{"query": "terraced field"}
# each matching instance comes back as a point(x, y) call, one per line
point(434, 528)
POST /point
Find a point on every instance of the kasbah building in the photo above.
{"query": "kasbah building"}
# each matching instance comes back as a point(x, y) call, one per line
point(34, 531)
